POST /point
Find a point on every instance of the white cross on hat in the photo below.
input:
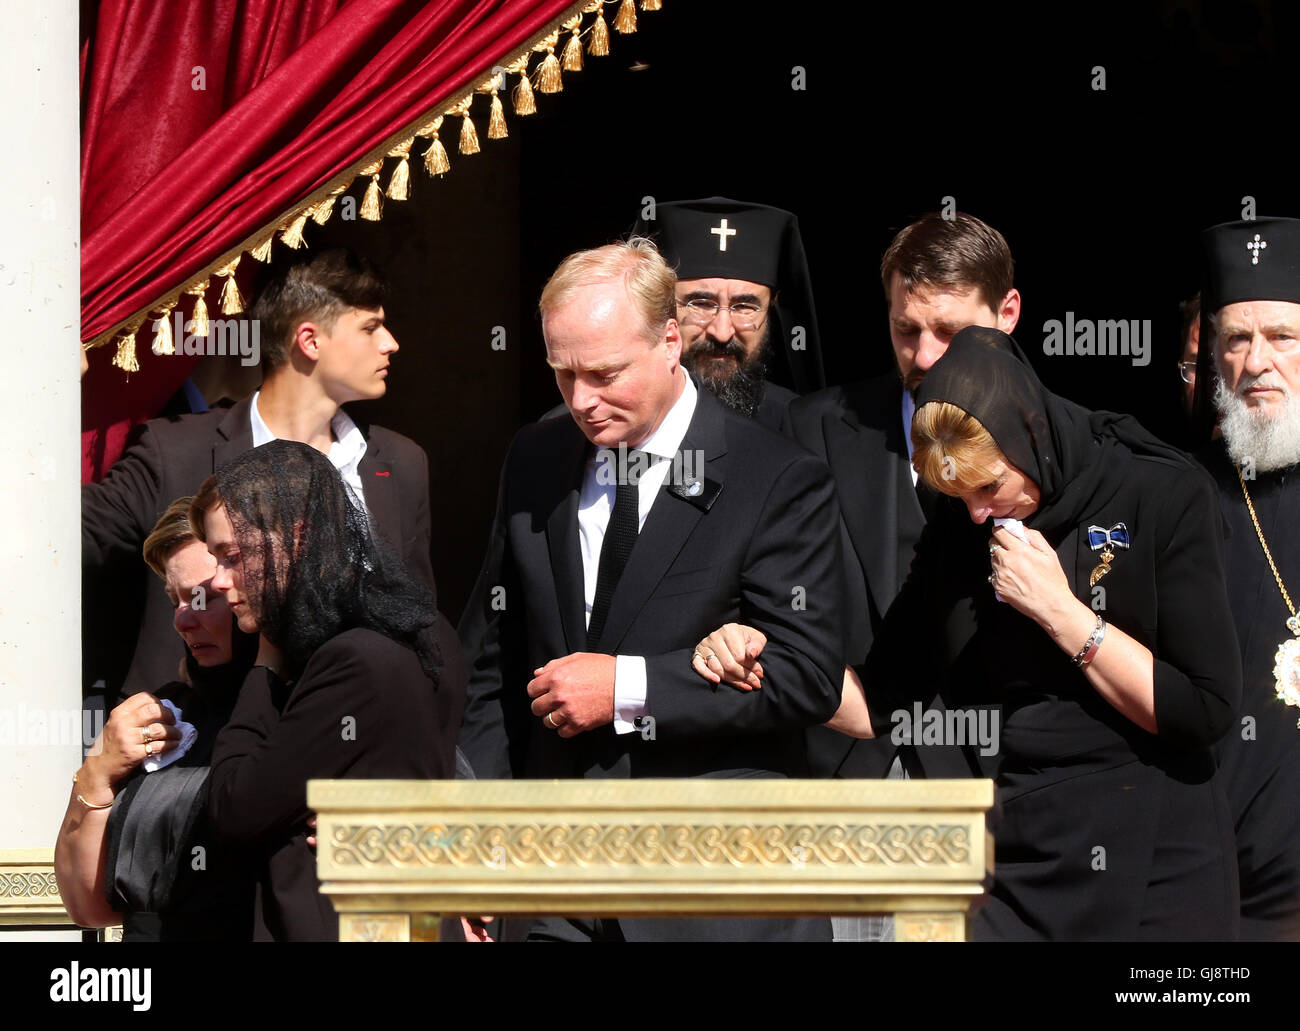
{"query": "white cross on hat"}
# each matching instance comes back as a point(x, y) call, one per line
point(1256, 245)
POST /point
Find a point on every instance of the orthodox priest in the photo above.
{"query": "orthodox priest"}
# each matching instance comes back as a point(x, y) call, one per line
point(744, 302)
point(1252, 315)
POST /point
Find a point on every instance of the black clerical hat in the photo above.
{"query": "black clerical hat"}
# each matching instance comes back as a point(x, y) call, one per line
point(1257, 260)
point(720, 238)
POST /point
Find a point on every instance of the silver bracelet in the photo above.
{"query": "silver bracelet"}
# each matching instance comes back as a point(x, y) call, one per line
point(1089, 649)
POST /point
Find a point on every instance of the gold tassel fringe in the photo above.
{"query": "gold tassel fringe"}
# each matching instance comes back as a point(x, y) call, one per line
point(549, 79)
point(292, 235)
point(232, 301)
point(497, 122)
point(125, 359)
point(435, 157)
point(162, 331)
point(525, 104)
point(399, 186)
point(200, 316)
point(262, 251)
point(548, 74)
point(320, 213)
point(372, 204)
point(573, 52)
point(468, 134)
point(598, 45)
point(625, 20)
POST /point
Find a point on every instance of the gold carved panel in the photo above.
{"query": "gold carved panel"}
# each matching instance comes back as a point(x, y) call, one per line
point(656, 847)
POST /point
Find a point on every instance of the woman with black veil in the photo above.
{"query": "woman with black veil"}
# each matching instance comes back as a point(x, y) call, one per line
point(356, 676)
point(1095, 618)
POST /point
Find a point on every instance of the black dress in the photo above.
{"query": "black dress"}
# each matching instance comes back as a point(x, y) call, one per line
point(363, 707)
point(1260, 754)
point(1107, 831)
point(169, 876)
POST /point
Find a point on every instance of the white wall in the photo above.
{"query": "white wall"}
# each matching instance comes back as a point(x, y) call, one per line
point(40, 543)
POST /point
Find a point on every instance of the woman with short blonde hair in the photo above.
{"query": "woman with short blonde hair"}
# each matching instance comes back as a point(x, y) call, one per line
point(1092, 618)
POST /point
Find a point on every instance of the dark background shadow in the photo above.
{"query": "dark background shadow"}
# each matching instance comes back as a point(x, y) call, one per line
point(1101, 194)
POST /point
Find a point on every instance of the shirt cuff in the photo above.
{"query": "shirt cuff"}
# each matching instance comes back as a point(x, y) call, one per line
point(629, 692)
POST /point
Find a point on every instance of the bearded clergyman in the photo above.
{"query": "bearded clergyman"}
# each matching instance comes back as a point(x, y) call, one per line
point(1252, 317)
point(744, 302)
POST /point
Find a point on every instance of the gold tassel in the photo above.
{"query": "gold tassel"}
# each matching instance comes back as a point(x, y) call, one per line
point(162, 331)
point(371, 204)
point(262, 252)
point(497, 123)
point(573, 52)
point(320, 213)
point(468, 134)
point(232, 301)
point(435, 158)
point(548, 72)
point(399, 186)
point(125, 357)
point(291, 237)
point(651, 5)
point(525, 104)
point(598, 45)
point(200, 316)
point(625, 20)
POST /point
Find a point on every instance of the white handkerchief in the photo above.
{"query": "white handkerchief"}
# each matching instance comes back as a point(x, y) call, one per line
point(189, 734)
point(1017, 528)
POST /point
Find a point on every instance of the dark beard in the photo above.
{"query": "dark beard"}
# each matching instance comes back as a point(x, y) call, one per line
point(741, 390)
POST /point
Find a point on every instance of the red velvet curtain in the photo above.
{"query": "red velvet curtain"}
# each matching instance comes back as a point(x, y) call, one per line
point(295, 92)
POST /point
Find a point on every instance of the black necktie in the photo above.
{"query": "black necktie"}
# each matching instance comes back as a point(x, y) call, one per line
point(620, 536)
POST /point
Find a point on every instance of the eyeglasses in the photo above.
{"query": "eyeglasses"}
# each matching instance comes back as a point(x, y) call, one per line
point(744, 314)
point(1187, 372)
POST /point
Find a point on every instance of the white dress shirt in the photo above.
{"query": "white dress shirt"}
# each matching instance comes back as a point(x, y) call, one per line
point(345, 453)
point(595, 504)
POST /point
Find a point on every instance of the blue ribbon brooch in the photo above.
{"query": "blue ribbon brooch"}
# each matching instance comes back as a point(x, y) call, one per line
point(1105, 541)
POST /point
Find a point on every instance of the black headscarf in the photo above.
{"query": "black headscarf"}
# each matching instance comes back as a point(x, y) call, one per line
point(311, 565)
point(1077, 458)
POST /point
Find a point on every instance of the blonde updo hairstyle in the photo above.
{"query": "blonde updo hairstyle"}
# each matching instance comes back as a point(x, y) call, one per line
point(951, 450)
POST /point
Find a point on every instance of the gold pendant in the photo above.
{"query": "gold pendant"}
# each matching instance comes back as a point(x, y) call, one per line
point(1101, 570)
point(1286, 666)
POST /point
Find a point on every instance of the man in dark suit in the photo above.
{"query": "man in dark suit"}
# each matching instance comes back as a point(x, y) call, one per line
point(625, 534)
point(324, 343)
point(939, 275)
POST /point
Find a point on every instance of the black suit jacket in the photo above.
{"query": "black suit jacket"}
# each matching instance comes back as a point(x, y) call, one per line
point(857, 431)
point(758, 545)
point(169, 458)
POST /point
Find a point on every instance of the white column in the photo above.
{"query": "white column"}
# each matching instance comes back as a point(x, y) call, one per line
point(40, 557)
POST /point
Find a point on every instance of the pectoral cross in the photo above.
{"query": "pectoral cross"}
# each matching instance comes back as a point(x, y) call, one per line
point(722, 232)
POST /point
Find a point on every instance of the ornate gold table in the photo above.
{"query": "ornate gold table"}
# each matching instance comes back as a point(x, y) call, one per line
point(393, 856)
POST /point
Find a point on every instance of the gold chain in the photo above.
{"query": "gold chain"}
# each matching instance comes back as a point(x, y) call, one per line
point(1264, 544)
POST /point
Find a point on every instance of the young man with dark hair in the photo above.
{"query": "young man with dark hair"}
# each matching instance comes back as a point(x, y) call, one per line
point(940, 275)
point(324, 344)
